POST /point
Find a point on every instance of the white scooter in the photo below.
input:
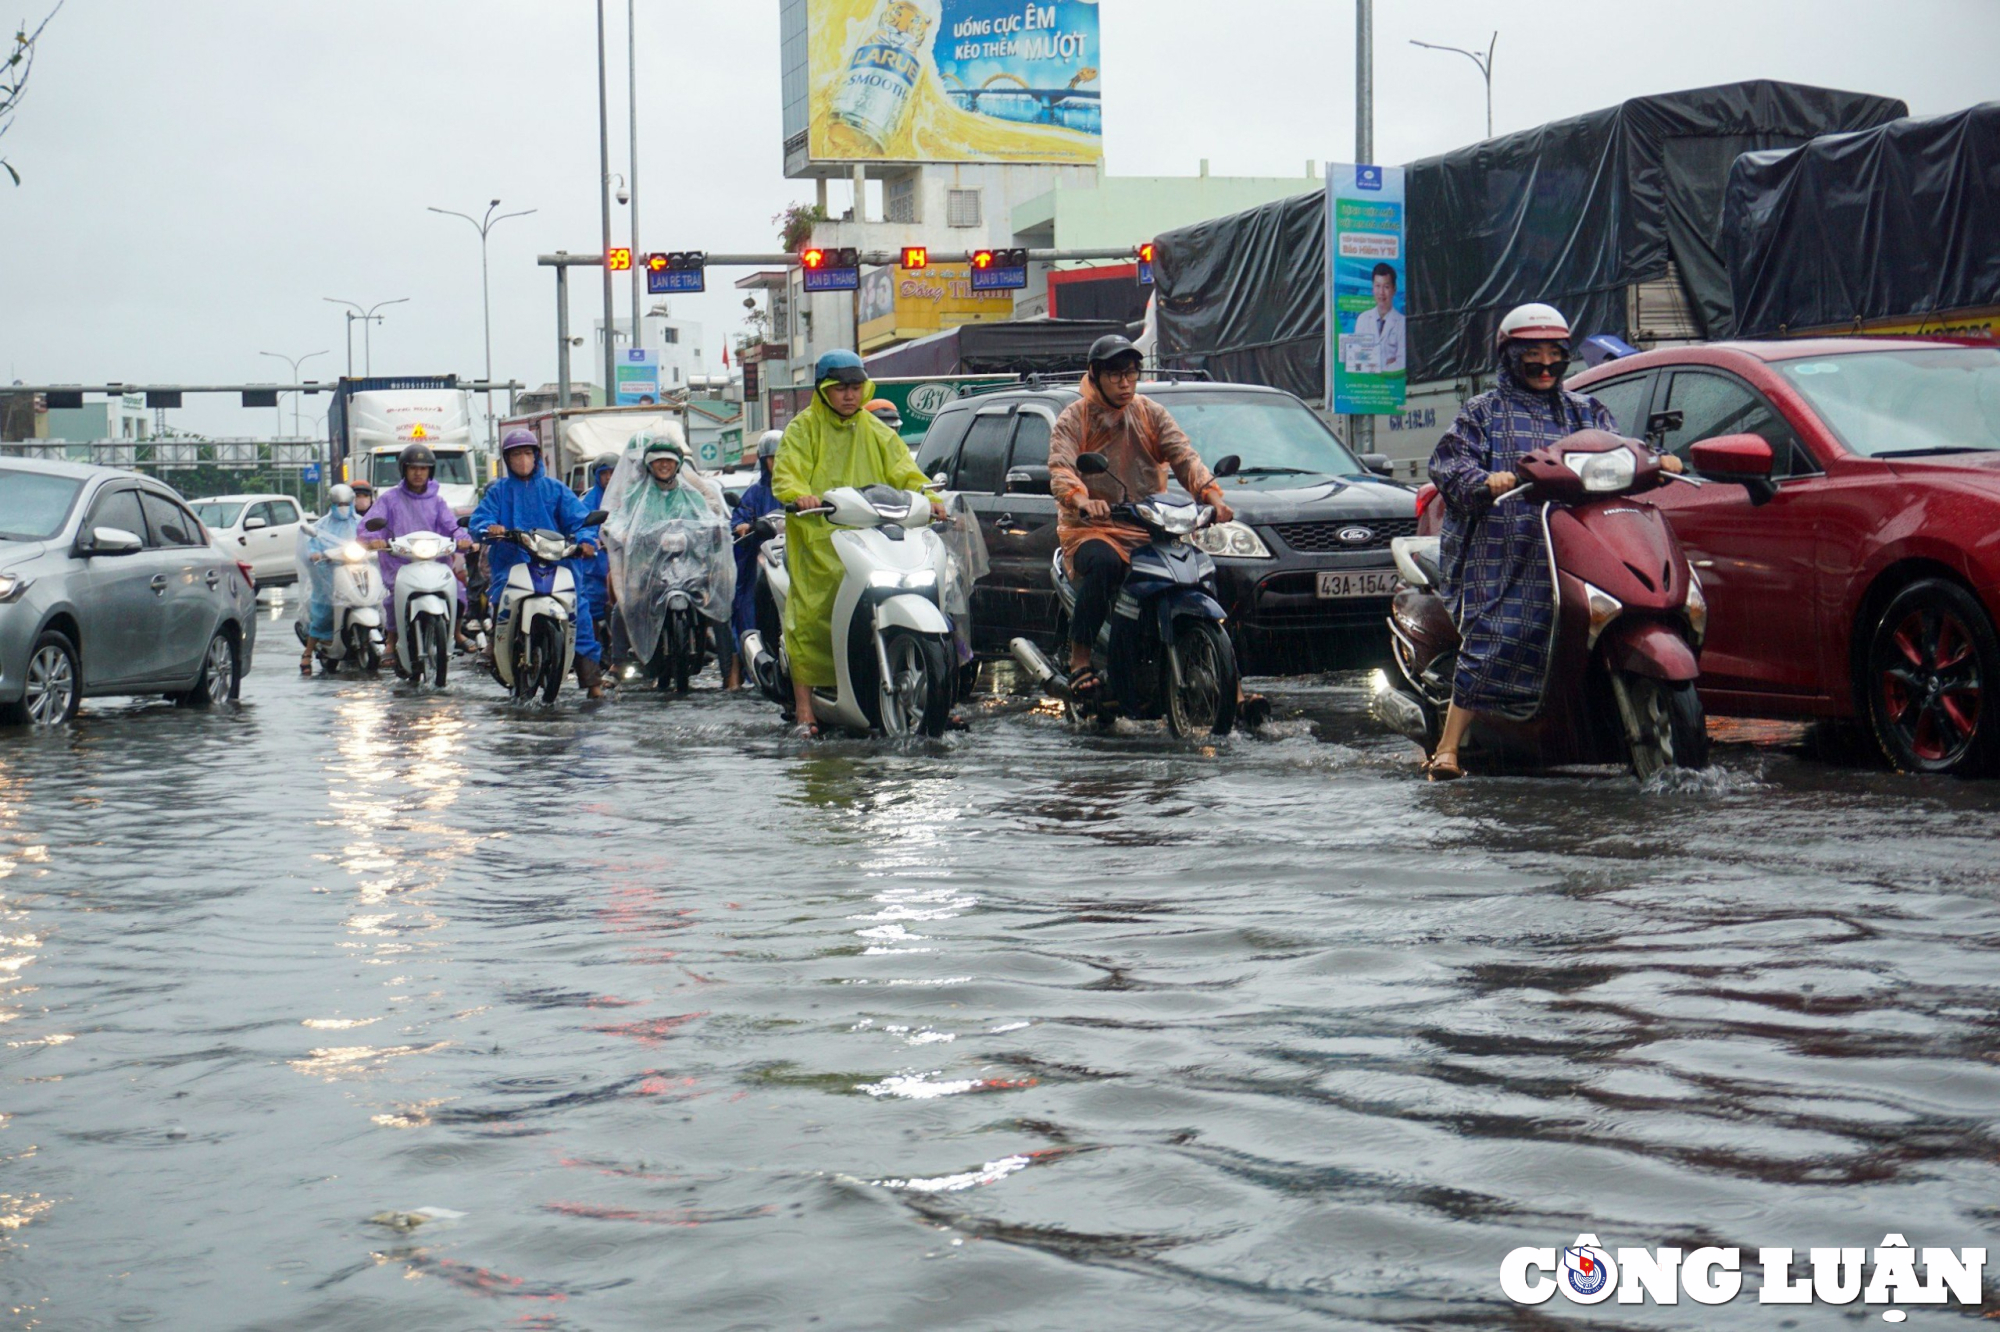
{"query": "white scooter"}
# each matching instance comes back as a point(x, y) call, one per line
point(891, 641)
point(357, 610)
point(426, 609)
point(534, 630)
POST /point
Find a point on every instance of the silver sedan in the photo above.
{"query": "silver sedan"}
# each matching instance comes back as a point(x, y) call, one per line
point(110, 585)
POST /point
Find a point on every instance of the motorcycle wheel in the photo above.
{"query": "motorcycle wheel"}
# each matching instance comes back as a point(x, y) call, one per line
point(440, 647)
point(1198, 677)
point(916, 699)
point(549, 658)
point(1672, 729)
point(527, 666)
point(684, 652)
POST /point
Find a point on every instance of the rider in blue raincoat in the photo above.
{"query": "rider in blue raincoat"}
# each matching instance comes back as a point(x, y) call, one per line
point(340, 526)
point(596, 588)
point(527, 499)
point(757, 501)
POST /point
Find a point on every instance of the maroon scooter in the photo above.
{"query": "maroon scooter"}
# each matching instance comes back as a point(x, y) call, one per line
point(1629, 622)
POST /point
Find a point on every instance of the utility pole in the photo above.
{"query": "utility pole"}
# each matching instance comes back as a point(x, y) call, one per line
point(604, 186)
point(1485, 64)
point(1363, 432)
point(485, 293)
point(295, 362)
point(632, 76)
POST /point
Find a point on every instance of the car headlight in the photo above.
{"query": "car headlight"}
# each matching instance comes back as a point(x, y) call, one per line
point(1235, 539)
point(1697, 607)
point(12, 586)
point(1603, 473)
point(1604, 608)
point(915, 578)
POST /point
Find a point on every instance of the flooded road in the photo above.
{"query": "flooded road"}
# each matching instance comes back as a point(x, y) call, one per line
point(676, 1021)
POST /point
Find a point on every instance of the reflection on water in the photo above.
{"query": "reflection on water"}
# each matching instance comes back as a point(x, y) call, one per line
point(1043, 1029)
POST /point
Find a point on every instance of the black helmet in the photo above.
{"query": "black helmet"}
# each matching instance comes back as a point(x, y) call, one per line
point(415, 455)
point(1111, 349)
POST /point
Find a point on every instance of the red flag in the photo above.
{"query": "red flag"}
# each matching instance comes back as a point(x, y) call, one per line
point(725, 356)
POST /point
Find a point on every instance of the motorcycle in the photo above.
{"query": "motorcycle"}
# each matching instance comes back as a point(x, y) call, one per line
point(426, 603)
point(357, 610)
point(1164, 649)
point(891, 639)
point(1630, 617)
point(534, 635)
point(683, 593)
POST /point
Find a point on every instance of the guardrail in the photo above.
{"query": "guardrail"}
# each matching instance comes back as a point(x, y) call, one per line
point(246, 454)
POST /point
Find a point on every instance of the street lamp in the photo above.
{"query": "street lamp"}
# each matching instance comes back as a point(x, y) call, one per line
point(1485, 64)
point(604, 182)
point(483, 226)
point(295, 362)
point(367, 317)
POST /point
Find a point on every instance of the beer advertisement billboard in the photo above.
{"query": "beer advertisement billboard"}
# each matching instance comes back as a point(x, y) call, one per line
point(954, 81)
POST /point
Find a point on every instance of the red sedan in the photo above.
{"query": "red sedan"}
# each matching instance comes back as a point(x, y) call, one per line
point(1851, 559)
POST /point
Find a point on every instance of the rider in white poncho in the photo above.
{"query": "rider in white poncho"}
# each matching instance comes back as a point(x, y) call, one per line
point(668, 529)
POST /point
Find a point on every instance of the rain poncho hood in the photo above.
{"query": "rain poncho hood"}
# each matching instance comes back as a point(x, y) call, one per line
point(1142, 443)
point(405, 512)
point(821, 452)
point(536, 502)
point(330, 532)
point(666, 538)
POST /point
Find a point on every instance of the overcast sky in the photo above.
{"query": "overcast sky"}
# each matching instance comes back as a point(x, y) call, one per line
point(198, 174)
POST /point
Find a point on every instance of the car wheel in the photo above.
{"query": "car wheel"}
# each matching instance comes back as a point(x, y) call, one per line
point(1930, 658)
point(218, 682)
point(52, 685)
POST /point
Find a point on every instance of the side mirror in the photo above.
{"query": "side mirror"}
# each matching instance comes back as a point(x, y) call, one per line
point(941, 480)
point(1226, 467)
point(1747, 459)
point(254, 524)
point(1378, 463)
point(376, 524)
point(1092, 464)
point(595, 516)
point(1029, 480)
point(113, 541)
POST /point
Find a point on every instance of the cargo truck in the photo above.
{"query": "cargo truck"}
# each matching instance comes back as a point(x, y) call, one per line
point(373, 420)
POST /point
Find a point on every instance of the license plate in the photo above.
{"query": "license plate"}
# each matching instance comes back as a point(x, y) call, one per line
point(1371, 583)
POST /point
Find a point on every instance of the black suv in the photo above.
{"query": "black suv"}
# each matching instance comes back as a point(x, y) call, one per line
point(1305, 570)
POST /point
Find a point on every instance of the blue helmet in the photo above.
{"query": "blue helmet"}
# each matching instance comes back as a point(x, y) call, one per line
point(840, 366)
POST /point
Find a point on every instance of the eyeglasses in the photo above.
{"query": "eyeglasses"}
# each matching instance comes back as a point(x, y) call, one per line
point(1122, 375)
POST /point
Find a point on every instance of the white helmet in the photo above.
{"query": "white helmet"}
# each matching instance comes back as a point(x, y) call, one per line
point(767, 446)
point(341, 494)
point(1534, 322)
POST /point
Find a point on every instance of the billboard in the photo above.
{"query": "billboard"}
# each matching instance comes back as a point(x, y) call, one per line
point(902, 305)
point(638, 377)
point(1367, 361)
point(953, 81)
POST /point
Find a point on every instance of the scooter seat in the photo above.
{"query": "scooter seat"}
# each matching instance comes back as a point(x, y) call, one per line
point(1417, 560)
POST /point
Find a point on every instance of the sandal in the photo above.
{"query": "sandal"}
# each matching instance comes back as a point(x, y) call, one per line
point(812, 731)
point(306, 662)
point(1254, 710)
point(1443, 768)
point(1084, 686)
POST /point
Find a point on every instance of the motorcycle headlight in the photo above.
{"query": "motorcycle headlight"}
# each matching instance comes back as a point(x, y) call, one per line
point(915, 578)
point(12, 586)
point(353, 552)
point(1604, 608)
point(1603, 473)
point(1697, 607)
point(1234, 539)
point(1178, 519)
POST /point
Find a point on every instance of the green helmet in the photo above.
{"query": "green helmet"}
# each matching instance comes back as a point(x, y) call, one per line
point(651, 446)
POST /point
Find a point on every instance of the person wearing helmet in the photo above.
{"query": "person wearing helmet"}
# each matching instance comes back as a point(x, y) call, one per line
point(528, 499)
point(1143, 444)
point(1493, 557)
point(885, 411)
point(757, 502)
point(413, 506)
point(831, 443)
point(596, 587)
point(364, 498)
point(339, 526)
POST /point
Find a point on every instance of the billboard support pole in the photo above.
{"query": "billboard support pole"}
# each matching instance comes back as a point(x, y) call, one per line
point(562, 334)
point(604, 187)
point(632, 76)
point(1362, 432)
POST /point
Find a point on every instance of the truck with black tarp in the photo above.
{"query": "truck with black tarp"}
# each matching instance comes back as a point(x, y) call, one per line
point(1893, 230)
point(1019, 347)
point(1614, 216)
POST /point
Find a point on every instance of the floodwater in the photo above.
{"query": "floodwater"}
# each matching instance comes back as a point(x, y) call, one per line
point(678, 1021)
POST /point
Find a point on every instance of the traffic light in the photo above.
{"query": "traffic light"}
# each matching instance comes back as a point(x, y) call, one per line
point(813, 260)
point(999, 270)
point(916, 256)
point(1146, 253)
point(848, 258)
point(677, 271)
point(1146, 264)
point(982, 259)
point(619, 259)
point(831, 270)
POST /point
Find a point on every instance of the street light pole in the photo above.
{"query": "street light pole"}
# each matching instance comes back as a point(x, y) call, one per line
point(367, 317)
point(1363, 432)
point(295, 363)
point(632, 76)
point(483, 226)
point(604, 186)
point(1485, 64)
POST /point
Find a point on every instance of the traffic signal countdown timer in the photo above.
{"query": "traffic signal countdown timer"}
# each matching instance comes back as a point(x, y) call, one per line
point(619, 259)
point(677, 271)
point(831, 270)
point(999, 270)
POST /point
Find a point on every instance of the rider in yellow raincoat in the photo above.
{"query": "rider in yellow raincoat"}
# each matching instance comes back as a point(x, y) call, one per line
point(832, 443)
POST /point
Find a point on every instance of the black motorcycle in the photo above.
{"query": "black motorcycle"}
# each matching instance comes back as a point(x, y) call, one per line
point(1164, 650)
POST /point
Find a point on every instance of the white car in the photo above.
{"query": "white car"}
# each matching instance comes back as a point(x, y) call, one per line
point(261, 531)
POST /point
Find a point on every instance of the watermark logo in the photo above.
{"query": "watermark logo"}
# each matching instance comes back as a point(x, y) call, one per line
point(1587, 1273)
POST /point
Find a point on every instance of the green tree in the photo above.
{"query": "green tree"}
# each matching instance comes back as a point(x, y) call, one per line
point(795, 225)
point(14, 77)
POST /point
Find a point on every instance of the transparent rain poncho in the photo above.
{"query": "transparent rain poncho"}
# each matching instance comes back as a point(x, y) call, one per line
point(662, 540)
point(969, 564)
point(327, 533)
